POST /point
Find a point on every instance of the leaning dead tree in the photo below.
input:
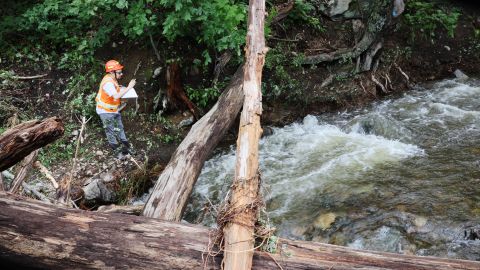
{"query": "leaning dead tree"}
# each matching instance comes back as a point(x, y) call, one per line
point(175, 92)
point(19, 141)
point(239, 231)
point(175, 184)
point(89, 240)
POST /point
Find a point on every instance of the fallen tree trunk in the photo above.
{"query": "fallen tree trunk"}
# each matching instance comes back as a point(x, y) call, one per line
point(89, 240)
point(175, 184)
point(19, 141)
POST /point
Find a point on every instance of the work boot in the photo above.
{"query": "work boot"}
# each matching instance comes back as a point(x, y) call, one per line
point(117, 151)
point(127, 148)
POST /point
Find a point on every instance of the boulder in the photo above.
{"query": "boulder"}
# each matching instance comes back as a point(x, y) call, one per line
point(97, 191)
point(460, 75)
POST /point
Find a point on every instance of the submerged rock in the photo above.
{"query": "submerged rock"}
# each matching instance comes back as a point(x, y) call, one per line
point(325, 221)
point(460, 75)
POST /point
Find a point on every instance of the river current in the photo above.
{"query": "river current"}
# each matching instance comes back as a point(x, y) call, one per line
point(402, 175)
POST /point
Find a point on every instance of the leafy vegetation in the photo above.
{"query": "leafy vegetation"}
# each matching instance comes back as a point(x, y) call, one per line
point(425, 17)
point(205, 95)
point(216, 24)
point(280, 81)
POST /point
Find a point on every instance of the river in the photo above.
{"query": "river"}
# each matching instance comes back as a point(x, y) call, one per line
point(402, 175)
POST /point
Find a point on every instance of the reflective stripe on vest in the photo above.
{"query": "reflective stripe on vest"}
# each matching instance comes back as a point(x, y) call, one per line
point(104, 101)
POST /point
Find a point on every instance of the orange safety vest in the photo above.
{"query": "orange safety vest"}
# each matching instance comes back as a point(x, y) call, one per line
point(104, 101)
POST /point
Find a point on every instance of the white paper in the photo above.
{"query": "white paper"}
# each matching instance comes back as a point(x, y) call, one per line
point(130, 94)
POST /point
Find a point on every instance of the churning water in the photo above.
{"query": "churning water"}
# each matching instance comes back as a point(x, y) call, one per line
point(401, 176)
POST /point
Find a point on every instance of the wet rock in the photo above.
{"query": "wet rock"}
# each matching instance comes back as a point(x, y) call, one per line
point(420, 221)
point(472, 234)
point(325, 221)
point(267, 131)
point(460, 75)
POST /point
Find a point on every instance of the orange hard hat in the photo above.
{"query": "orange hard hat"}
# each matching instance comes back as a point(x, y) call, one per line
point(112, 65)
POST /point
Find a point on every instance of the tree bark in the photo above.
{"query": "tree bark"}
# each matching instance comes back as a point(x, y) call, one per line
point(239, 232)
point(2, 185)
point(176, 93)
point(175, 184)
point(21, 140)
point(88, 240)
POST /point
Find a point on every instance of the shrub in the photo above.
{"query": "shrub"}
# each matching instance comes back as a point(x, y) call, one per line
point(425, 17)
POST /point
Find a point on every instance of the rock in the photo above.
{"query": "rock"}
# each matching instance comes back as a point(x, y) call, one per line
point(99, 153)
point(447, 48)
point(460, 75)
point(420, 221)
point(157, 72)
point(325, 221)
point(74, 133)
point(8, 175)
point(185, 122)
point(107, 177)
point(334, 7)
point(267, 131)
point(96, 191)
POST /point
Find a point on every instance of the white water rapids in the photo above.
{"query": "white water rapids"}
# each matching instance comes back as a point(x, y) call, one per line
point(401, 176)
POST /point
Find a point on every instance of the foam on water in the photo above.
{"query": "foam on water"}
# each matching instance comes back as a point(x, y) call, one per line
point(305, 156)
point(405, 155)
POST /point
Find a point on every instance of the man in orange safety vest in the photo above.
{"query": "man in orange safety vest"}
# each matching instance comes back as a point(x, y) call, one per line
point(108, 102)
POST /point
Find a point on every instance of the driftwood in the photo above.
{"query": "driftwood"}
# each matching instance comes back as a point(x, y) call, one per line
point(29, 189)
point(90, 240)
point(29, 77)
point(175, 184)
point(122, 209)
point(25, 166)
point(19, 141)
point(243, 207)
point(38, 165)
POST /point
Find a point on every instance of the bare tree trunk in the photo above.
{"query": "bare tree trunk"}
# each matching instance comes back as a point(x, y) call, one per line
point(175, 184)
point(25, 166)
point(176, 93)
point(19, 141)
point(89, 240)
point(238, 233)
